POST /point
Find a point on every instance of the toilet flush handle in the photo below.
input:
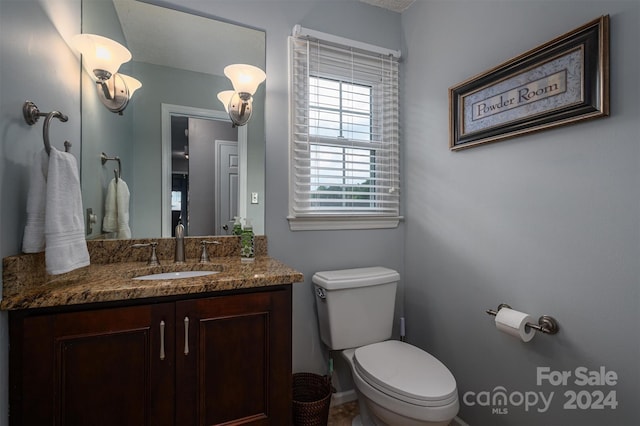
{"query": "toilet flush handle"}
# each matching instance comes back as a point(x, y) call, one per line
point(320, 292)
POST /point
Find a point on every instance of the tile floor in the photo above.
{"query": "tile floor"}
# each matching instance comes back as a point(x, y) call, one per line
point(342, 414)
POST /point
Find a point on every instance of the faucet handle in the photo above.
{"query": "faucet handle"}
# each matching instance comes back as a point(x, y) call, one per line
point(153, 259)
point(204, 256)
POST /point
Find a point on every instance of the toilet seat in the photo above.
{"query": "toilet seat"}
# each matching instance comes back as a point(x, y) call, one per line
point(406, 372)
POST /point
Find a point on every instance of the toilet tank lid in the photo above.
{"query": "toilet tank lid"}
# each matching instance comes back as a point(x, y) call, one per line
point(356, 277)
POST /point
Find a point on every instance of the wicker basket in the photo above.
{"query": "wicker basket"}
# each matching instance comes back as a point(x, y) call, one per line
point(311, 399)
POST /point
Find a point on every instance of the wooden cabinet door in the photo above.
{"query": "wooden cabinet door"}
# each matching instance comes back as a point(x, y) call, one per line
point(97, 367)
point(233, 361)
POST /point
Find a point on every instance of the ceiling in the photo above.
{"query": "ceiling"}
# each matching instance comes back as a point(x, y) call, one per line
point(162, 36)
point(394, 5)
point(167, 37)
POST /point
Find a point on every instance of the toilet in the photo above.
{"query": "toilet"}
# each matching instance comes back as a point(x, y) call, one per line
point(397, 384)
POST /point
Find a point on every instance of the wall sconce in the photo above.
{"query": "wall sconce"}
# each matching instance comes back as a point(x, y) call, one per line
point(102, 59)
point(238, 103)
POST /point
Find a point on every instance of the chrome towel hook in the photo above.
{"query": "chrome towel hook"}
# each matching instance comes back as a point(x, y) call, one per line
point(117, 173)
point(31, 115)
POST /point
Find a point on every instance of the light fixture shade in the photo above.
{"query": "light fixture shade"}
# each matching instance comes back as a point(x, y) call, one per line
point(132, 83)
point(102, 55)
point(225, 97)
point(245, 78)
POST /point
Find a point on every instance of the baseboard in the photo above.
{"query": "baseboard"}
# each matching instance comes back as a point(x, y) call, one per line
point(343, 397)
point(457, 421)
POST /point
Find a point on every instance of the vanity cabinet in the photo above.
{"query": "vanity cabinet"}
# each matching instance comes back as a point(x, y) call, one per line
point(199, 361)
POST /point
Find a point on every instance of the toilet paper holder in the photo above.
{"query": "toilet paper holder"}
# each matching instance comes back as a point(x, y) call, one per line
point(546, 324)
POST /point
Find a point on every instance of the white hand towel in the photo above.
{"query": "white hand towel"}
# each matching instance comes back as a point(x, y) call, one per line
point(110, 220)
point(66, 247)
point(122, 203)
point(33, 239)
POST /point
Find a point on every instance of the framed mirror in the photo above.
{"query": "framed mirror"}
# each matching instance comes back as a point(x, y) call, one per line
point(179, 58)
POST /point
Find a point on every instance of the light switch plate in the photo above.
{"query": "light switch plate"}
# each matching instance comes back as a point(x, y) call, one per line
point(254, 198)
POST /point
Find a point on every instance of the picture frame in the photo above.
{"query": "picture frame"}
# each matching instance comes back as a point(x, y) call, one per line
point(561, 82)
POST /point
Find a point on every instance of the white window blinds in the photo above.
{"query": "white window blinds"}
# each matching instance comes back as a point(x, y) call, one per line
point(344, 137)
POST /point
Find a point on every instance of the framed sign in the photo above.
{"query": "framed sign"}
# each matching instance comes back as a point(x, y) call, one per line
point(560, 82)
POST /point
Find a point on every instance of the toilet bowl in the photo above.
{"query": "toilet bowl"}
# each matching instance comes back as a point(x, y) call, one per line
point(397, 384)
point(402, 385)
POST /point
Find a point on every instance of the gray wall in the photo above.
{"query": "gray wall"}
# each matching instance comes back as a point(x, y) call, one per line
point(146, 203)
point(103, 130)
point(548, 223)
point(36, 64)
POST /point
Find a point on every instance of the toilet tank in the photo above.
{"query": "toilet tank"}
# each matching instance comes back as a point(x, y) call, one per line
point(355, 306)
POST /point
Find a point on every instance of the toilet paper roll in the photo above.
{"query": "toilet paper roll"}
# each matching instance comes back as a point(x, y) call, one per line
point(515, 323)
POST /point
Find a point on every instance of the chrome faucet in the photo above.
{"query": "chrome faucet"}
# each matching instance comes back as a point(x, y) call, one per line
point(179, 257)
point(153, 259)
point(204, 256)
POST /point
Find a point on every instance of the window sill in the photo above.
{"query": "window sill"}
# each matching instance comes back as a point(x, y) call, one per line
point(327, 223)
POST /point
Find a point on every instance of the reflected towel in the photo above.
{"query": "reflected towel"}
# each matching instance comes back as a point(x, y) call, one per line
point(122, 207)
point(66, 247)
point(116, 209)
point(110, 220)
point(33, 239)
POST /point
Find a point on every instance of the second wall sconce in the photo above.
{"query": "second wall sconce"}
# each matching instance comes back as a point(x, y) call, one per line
point(239, 102)
point(102, 59)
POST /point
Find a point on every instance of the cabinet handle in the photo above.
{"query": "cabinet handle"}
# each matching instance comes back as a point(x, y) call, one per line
point(162, 340)
point(186, 335)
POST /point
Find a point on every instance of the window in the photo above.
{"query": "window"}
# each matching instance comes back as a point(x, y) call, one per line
point(176, 200)
point(344, 153)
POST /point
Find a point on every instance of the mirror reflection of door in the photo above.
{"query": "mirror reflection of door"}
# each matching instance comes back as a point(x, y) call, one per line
point(227, 185)
point(203, 195)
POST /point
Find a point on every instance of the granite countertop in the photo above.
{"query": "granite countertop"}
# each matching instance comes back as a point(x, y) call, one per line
point(26, 286)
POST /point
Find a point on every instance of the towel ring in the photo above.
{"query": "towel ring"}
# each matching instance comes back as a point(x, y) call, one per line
point(117, 173)
point(31, 114)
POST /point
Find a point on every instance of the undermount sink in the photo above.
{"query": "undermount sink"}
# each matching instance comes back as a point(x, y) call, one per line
point(176, 275)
